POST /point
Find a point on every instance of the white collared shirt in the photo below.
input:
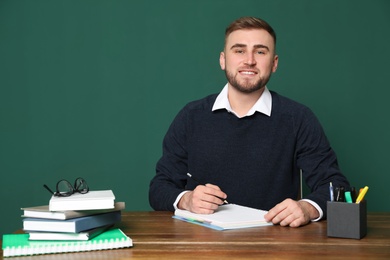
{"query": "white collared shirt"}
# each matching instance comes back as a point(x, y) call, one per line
point(262, 105)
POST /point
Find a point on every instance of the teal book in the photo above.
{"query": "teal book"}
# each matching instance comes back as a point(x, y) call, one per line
point(20, 245)
point(74, 225)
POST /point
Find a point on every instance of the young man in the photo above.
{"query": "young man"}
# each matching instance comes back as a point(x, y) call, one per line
point(247, 144)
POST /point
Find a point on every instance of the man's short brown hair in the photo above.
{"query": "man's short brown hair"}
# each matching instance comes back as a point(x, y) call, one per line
point(249, 23)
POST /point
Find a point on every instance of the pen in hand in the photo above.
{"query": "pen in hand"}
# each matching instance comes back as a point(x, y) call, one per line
point(190, 175)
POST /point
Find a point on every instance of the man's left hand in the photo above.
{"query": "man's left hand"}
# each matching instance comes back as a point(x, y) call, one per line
point(292, 213)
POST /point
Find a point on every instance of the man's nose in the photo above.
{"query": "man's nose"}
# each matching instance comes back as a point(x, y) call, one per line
point(250, 59)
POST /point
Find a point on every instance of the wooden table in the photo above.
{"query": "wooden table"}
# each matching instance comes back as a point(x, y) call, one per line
point(157, 236)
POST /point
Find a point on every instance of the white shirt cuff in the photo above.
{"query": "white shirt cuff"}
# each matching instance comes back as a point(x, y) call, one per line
point(178, 199)
point(317, 208)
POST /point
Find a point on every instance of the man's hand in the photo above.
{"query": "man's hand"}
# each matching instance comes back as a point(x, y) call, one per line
point(204, 199)
point(292, 213)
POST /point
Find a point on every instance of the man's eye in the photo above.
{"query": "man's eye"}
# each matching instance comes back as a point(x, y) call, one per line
point(239, 51)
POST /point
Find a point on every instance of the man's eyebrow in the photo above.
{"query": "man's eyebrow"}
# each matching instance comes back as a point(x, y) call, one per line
point(238, 45)
point(257, 46)
point(261, 46)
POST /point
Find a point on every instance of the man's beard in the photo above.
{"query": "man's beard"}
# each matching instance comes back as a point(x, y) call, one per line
point(246, 86)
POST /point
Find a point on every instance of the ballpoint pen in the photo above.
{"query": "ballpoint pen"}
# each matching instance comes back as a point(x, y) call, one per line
point(190, 175)
point(353, 194)
point(331, 191)
point(339, 194)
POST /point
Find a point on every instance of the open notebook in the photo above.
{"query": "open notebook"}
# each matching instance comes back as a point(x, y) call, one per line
point(229, 216)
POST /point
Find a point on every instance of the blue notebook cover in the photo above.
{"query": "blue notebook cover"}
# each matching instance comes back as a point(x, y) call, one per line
point(74, 225)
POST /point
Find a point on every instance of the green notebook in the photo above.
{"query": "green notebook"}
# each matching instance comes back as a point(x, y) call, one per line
point(19, 245)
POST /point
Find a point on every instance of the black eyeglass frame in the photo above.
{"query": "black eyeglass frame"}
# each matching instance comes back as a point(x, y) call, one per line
point(78, 183)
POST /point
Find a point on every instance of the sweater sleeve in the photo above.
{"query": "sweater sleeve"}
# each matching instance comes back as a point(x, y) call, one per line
point(317, 160)
point(171, 169)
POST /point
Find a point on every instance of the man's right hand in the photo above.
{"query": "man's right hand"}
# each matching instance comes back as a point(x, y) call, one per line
point(204, 199)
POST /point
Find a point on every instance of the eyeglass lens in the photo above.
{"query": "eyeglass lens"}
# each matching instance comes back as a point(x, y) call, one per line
point(80, 185)
point(64, 188)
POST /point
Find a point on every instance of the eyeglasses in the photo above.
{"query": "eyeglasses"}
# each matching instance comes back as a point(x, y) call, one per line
point(65, 189)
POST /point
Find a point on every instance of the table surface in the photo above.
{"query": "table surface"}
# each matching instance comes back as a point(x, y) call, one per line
point(156, 235)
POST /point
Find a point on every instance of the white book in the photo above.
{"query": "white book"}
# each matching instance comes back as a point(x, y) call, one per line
point(229, 216)
point(82, 236)
point(101, 199)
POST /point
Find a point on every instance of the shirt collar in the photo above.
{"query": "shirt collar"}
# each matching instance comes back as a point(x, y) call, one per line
point(263, 105)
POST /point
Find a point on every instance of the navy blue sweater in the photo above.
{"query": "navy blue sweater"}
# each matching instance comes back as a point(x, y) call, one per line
point(255, 160)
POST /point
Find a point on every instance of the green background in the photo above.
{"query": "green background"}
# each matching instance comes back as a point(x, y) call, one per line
point(89, 88)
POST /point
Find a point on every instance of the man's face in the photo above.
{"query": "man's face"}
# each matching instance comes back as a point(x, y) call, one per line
point(249, 59)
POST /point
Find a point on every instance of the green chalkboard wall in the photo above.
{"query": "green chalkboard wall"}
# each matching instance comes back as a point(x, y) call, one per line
point(88, 88)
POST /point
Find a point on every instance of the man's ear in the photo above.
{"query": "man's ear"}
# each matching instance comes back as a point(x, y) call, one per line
point(275, 66)
point(222, 60)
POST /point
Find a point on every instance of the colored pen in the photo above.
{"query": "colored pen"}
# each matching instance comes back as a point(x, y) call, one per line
point(190, 175)
point(362, 194)
point(348, 197)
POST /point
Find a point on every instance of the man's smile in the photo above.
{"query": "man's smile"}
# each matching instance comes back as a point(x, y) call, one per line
point(248, 72)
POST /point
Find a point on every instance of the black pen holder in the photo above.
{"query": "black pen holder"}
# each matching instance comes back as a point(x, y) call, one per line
point(347, 220)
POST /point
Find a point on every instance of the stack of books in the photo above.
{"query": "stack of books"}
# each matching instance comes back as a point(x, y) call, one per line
point(80, 222)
